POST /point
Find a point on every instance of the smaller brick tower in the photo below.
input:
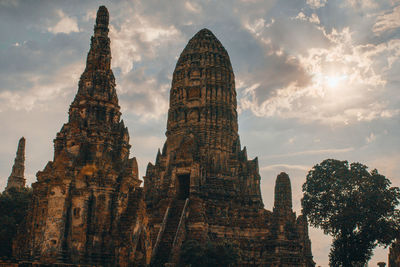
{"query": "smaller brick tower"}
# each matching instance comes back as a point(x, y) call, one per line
point(283, 194)
point(290, 238)
point(16, 179)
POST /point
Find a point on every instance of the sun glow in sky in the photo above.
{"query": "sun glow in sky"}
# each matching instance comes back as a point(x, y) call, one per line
point(315, 79)
point(335, 81)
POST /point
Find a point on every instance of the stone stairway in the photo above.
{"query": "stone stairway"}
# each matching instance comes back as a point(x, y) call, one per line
point(129, 216)
point(164, 248)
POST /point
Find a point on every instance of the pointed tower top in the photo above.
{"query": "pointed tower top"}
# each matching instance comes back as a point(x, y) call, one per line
point(16, 179)
point(283, 193)
point(204, 33)
point(102, 18)
point(96, 100)
point(21, 146)
point(205, 40)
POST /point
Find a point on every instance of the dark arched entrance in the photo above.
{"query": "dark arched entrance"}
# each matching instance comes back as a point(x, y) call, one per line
point(183, 186)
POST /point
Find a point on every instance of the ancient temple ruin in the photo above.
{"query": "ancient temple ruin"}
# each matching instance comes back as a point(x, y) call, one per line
point(87, 205)
point(17, 179)
point(202, 185)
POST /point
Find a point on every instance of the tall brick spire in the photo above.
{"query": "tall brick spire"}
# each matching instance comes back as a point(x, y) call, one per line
point(16, 179)
point(89, 190)
point(95, 109)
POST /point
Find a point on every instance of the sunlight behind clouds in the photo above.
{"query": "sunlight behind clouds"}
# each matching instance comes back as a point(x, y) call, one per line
point(344, 77)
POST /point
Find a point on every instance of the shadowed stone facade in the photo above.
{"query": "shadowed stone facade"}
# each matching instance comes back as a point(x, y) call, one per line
point(202, 185)
point(17, 179)
point(87, 205)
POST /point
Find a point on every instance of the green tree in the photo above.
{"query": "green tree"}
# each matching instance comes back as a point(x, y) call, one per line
point(356, 207)
point(222, 254)
point(13, 207)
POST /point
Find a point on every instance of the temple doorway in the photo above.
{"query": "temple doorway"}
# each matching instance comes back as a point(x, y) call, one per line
point(183, 186)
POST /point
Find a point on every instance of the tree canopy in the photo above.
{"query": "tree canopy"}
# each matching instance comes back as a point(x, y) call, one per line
point(356, 207)
point(13, 207)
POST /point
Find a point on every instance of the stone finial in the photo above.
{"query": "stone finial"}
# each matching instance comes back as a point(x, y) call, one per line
point(381, 264)
point(283, 193)
point(99, 56)
point(102, 18)
point(16, 179)
point(158, 156)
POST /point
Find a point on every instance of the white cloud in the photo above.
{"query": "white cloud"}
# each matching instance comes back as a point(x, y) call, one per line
point(346, 83)
point(193, 7)
point(316, 3)
point(387, 21)
point(42, 92)
point(257, 26)
point(371, 138)
point(90, 15)
point(143, 95)
point(285, 166)
point(65, 24)
point(362, 4)
point(137, 38)
point(313, 18)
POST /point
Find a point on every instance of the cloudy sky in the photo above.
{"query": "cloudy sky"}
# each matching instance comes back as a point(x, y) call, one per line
point(316, 79)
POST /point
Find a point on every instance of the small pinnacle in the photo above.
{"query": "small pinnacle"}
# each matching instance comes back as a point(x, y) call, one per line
point(16, 179)
point(102, 17)
point(205, 32)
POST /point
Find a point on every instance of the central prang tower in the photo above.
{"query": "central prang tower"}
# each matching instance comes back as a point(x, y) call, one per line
point(202, 185)
point(202, 155)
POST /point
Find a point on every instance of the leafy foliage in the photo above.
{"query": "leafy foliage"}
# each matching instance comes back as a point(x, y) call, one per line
point(356, 207)
point(222, 254)
point(13, 207)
